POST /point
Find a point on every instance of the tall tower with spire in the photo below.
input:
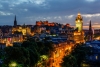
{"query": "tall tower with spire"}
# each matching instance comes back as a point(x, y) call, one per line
point(79, 22)
point(90, 32)
point(79, 33)
point(15, 21)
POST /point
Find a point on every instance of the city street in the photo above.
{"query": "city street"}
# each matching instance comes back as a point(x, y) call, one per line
point(60, 52)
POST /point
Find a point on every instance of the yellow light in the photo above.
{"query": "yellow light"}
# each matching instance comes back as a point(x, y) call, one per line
point(85, 65)
point(96, 57)
point(60, 51)
point(53, 35)
point(78, 33)
point(13, 64)
point(78, 20)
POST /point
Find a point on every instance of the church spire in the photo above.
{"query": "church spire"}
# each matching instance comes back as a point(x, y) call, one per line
point(90, 27)
point(15, 17)
point(90, 32)
point(15, 21)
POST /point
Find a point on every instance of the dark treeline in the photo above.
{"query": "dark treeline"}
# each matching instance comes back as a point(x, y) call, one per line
point(76, 57)
point(26, 54)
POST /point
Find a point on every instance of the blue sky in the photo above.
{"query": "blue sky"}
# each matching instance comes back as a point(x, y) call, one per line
point(61, 11)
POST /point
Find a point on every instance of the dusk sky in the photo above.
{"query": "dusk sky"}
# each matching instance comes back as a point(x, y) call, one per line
point(61, 11)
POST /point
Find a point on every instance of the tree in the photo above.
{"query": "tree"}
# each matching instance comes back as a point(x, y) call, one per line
point(41, 47)
point(69, 61)
point(48, 47)
point(18, 54)
point(1, 53)
point(37, 49)
point(33, 51)
point(80, 52)
point(77, 56)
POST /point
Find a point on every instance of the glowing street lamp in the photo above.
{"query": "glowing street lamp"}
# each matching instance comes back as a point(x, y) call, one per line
point(13, 64)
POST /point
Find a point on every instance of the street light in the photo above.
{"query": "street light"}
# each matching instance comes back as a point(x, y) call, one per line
point(13, 64)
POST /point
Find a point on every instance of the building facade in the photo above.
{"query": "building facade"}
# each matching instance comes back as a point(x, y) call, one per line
point(79, 22)
point(79, 33)
point(22, 29)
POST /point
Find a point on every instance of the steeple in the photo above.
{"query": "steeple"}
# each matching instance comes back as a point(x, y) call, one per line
point(90, 27)
point(15, 22)
point(90, 32)
point(15, 17)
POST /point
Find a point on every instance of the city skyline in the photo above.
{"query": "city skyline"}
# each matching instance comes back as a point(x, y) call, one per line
point(60, 11)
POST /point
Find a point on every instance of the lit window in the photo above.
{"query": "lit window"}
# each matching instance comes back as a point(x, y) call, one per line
point(96, 57)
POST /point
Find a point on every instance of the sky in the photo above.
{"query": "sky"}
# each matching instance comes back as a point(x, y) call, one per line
point(60, 11)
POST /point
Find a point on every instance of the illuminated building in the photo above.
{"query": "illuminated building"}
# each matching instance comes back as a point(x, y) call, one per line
point(51, 24)
point(22, 29)
point(79, 33)
point(43, 27)
point(44, 23)
point(68, 25)
point(25, 30)
point(66, 31)
point(41, 23)
point(79, 22)
point(37, 29)
point(79, 37)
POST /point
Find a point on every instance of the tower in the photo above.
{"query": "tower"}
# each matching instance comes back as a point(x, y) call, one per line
point(90, 32)
point(15, 22)
point(79, 22)
point(79, 33)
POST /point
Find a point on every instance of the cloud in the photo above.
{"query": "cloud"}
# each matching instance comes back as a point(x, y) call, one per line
point(90, 0)
point(61, 11)
point(96, 23)
point(1, 6)
point(5, 13)
point(91, 15)
point(39, 1)
point(70, 16)
point(25, 9)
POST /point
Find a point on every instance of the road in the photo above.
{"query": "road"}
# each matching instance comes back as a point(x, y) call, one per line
point(59, 53)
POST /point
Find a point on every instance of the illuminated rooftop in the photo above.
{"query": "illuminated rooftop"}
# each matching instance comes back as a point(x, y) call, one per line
point(78, 13)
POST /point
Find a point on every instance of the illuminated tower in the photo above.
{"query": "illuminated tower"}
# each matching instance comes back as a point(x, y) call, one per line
point(90, 32)
point(79, 22)
point(79, 33)
point(15, 22)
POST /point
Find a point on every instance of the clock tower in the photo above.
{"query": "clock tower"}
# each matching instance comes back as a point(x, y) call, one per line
point(79, 22)
point(79, 33)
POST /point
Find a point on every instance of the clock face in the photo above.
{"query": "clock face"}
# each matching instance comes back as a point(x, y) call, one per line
point(78, 20)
